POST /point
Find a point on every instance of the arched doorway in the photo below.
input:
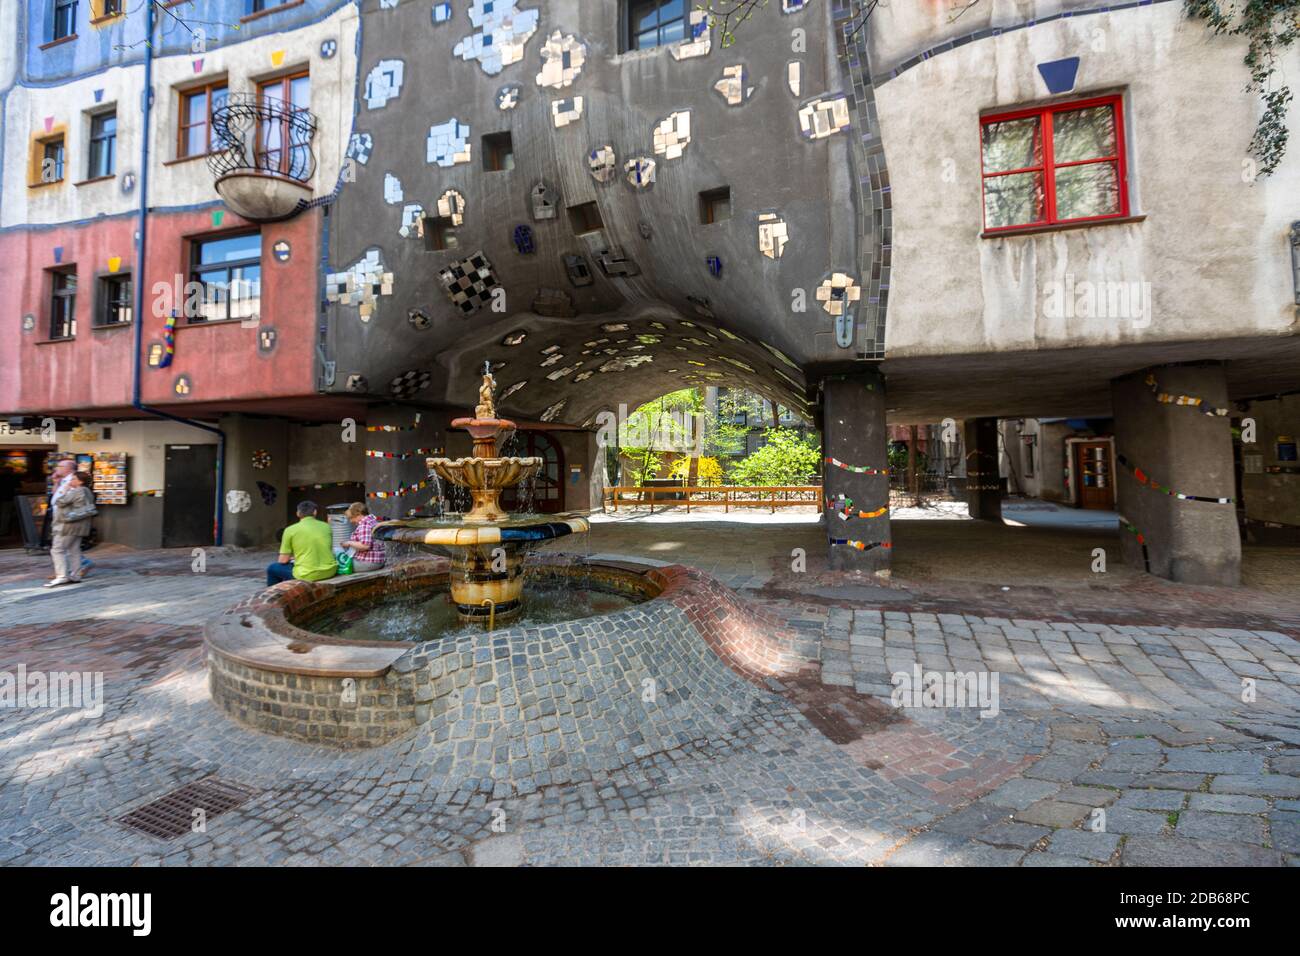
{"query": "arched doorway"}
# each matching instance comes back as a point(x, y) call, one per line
point(548, 486)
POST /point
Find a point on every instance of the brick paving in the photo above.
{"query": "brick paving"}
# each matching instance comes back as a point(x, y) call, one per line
point(1155, 727)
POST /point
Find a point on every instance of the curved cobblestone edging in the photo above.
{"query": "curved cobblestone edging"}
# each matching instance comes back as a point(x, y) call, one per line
point(518, 705)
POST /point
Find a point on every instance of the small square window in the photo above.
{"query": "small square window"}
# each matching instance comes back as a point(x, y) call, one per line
point(439, 234)
point(715, 205)
point(51, 156)
point(498, 152)
point(585, 218)
point(114, 301)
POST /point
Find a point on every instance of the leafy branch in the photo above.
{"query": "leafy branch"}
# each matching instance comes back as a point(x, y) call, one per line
point(1272, 26)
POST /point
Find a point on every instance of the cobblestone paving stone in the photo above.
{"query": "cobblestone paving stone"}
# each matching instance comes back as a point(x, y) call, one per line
point(1113, 744)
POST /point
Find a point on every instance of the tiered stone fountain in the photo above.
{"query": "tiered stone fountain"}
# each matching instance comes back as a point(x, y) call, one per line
point(486, 545)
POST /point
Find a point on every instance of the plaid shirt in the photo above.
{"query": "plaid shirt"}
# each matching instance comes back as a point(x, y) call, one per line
point(364, 533)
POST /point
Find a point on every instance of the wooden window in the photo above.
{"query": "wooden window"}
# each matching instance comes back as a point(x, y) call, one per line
point(63, 304)
point(103, 145)
point(585, 218)
point(498, 152)
point(229, 268)
point(197, 104)
point(65, 19)
point(278, 149)
point(715, 205)
point(52, 155)
point(114, 301)
point(1055, 164)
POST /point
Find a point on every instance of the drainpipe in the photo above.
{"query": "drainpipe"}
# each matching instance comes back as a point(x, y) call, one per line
point(142, 228)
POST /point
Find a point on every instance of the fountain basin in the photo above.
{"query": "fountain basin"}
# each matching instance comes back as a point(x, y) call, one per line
point(487, 573)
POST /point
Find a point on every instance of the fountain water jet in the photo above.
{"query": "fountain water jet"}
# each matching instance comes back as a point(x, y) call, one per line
point(486, 545)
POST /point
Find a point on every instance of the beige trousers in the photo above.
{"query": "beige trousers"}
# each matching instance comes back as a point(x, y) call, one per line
point(66, 552)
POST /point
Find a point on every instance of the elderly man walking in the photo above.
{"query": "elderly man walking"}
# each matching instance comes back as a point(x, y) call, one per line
point(73, 505)
point(306, 550)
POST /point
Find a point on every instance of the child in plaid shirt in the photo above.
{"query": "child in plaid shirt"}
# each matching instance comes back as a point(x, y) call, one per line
point(369, 553)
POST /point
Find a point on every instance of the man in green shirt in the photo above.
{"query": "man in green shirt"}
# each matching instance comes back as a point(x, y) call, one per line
point(306, 550)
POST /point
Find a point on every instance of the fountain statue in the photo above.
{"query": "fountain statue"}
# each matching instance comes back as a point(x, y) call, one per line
point(486, 545)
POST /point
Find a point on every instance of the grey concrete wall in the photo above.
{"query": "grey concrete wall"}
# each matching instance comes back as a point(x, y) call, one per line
point(390, 474)
point(261, 523)
point(983, 481)
point(854, 432)
point(1183, 449)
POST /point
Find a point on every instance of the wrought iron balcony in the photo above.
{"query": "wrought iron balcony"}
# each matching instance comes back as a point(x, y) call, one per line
point(264, 164)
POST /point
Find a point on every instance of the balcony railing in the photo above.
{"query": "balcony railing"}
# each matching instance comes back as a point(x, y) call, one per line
point(265, 162)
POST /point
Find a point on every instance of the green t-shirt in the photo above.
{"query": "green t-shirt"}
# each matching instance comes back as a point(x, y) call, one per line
point(312, 547)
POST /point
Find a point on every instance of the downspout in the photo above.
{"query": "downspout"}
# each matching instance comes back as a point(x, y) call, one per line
point(141, 228)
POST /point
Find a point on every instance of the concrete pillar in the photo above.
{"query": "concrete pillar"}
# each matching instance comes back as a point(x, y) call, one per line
point(257, 462)
point(1184, 450)
point(983, 479)
point(390, 474)
point(854, 433)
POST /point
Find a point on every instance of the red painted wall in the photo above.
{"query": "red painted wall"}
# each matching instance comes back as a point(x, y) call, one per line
point(93, 372)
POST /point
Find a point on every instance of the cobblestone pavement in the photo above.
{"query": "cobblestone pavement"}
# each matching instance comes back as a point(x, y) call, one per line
point(1172, 739)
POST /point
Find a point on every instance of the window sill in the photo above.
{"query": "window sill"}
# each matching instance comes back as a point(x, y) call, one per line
point(270, 10)
point(211, 322)
point(185, 159)
point(55, 182)
point(106, 18)
point(96, 179)
point(59, 42)
point(110, 326)
point(1061, 227)
point(66, 338)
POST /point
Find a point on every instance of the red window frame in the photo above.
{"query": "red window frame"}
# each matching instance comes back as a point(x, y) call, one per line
point(1048, 167)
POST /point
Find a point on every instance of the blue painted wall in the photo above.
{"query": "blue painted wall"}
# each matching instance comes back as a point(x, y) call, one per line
point(121, 41)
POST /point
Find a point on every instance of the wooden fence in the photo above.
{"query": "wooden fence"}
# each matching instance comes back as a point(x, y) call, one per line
point(729, 496)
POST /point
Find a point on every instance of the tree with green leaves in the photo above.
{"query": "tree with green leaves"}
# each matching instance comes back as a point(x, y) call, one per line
point(787, 457)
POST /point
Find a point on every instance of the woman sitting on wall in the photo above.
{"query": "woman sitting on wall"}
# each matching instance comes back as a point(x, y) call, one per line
point(369, 553)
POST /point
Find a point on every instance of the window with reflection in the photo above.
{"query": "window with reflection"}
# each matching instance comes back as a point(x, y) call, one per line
point(655, 23)
point(279, 149)
point(1056, 164)
point(229, 269)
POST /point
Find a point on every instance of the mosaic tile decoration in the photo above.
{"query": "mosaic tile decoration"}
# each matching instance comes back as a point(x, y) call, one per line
point(772, 235)
point(1060, 75)
point(356, 383)
point(441, 13)
point(714, 264)
point(602, 164)
point(360, 146)
point(412, 221)
point(514, 338)
point(419, 319)
point(523, 239)
point(183, 386)
point(699, 39)
point(562, 59)
point(508, 96)
point(838, 293)
point(553, 412)
point(673, 135)
point(238, 501)
point(469, 283)
point(266, 339)
point(824, 117)
point(384, 83)
point(734, 87)
point(448, 144)
point(794, 76)
point(503, 32)
point(793, 6)
point(408, 383)
point(566, 111)
point(545, 201)
point(511, 390)
point(451, 205)
point(392, 189)
point(640, 171)
point(360, 285)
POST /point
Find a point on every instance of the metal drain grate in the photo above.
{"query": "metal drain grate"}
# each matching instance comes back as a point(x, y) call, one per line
point(172, 814)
